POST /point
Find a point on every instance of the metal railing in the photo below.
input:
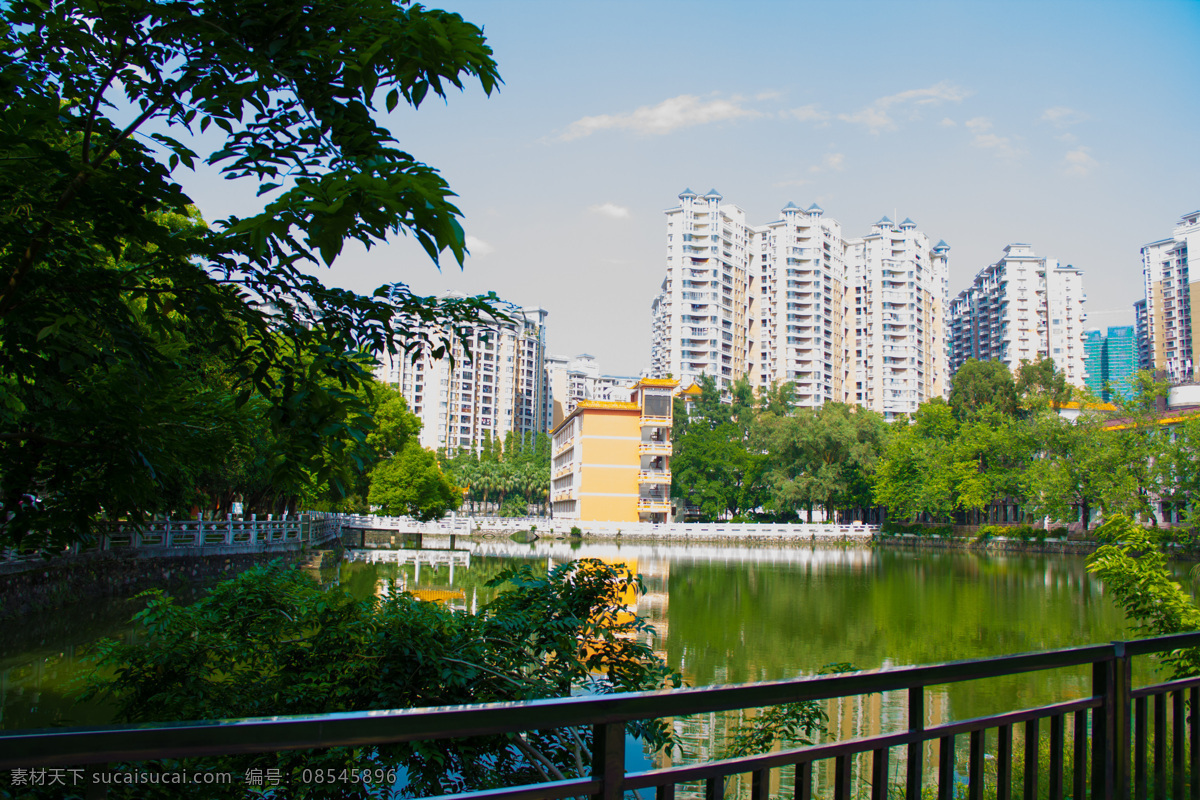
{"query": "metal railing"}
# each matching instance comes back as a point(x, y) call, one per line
point(1109, 759)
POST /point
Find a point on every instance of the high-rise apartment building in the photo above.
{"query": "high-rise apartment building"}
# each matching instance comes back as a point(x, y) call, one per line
point(579, 378)
point(1141, 326)
point(855, 321)
point(803, 314)
point(1112, 362)
point(703, 316)
point(1171, 300)
point(900, 291)
point(1019, 309)
point(501, 387)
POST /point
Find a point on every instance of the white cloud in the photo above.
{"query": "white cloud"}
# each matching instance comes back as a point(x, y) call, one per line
point(879, 115)
point(1001, 146)
point(834, 161)
point(478, 247)
point(611, 210)
point(873, 117)
point(1079, 162)
point(683, 111)
point(948, 123)
point(809, 113)
point(1062, 117)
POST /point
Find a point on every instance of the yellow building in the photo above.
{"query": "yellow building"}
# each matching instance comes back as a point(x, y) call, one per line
point(612, 460)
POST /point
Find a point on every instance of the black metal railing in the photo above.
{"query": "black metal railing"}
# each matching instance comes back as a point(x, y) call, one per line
point(1118, 748)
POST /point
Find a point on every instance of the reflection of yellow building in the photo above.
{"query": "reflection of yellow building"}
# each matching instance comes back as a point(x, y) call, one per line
point(612, 460)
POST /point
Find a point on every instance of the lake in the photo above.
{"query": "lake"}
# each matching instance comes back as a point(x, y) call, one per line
point(723, 613)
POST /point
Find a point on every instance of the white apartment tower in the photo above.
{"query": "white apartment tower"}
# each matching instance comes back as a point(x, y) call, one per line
point(854, 321)
point(1019, 309)
point(579, 378)
point(1172, 301)
point(899, 339)
point(502, 387)
point(704, 315)
point(804, 316)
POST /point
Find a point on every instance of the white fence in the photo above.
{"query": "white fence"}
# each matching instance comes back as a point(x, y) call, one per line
point(250, 535)
point(646, 530)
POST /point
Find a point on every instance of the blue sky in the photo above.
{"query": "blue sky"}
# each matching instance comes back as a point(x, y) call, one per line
point(1071, 126)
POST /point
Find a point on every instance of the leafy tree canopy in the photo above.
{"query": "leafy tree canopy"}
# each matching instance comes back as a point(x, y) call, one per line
point(981, 383)
point(411, 483)
point(108, 294)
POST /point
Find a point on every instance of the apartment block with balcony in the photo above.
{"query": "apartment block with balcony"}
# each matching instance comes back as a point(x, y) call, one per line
point(1020, 309)
point(803, 313)
point(900, 285)
point(611, 459)
point(492, 383)
point(1172, 301)
point(579, 378)
point(704, 316)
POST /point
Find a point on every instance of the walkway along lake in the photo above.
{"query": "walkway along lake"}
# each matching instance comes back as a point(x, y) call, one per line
point(725, 614)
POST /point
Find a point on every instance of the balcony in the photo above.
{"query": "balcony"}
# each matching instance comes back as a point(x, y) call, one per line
point(565, 446)
point(652, 421)
point(654, 449)
point(654, 504)
point(654, 476)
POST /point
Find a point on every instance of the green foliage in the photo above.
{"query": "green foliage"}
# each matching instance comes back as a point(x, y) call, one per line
point(713, 466)
point(1042, 383)
point(1133, 567)
point(982, 383)
point(513, 474)
point(269, 642)
point(823, 456)
point(411, 483)
point(139, 347)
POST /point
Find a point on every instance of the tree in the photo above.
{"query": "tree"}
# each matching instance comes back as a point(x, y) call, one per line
point(981, 383)
point(919, 470)
point(820, 456)
point(411, 483)
point(712, 467)
point(97, 283)
point(1042, 382)
point(270, 642)
point(1134, 570)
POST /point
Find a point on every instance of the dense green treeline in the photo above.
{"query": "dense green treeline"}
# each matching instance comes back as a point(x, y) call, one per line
point(998, 451)
point(509, 476)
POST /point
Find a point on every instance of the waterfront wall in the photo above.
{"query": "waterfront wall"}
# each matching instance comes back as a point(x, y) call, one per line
point(997, 544)
point(63, 581)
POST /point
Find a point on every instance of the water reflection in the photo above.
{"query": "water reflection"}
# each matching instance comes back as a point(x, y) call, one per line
point(721, 614)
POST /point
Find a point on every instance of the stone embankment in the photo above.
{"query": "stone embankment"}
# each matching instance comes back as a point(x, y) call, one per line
point(996, 544)
point(63, 581)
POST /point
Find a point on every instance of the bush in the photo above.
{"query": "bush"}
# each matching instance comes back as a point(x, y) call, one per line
point(271, 642)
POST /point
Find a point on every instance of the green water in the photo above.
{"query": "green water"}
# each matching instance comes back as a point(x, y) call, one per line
point(725, 615)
